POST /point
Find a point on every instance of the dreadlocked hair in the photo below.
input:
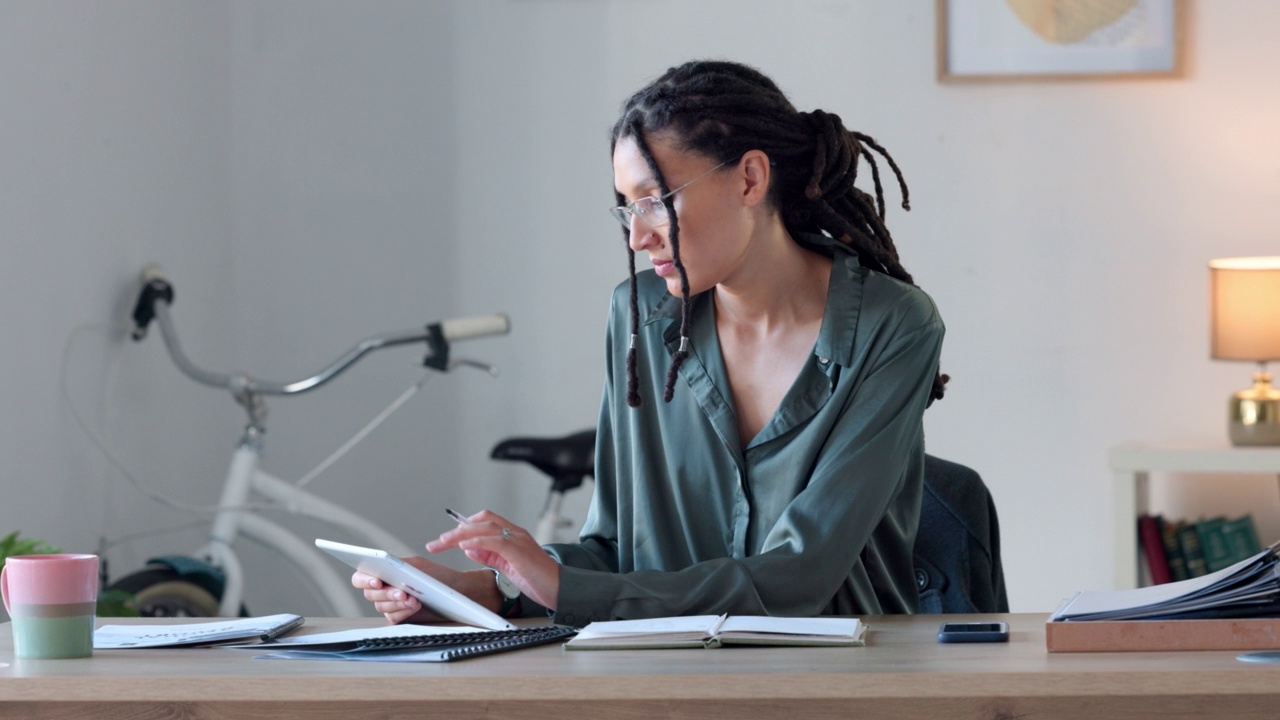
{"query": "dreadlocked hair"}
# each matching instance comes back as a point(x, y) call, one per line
point(723, 110)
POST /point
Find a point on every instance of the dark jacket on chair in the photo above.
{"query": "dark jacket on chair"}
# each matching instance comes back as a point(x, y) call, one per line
point(957, 550)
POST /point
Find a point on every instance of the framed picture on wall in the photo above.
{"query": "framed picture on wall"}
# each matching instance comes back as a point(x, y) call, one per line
point(1059, 39)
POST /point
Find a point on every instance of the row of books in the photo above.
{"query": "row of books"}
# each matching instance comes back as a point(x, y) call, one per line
point(1175, 550)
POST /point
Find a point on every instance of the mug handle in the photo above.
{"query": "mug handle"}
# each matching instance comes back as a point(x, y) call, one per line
point(4, 585)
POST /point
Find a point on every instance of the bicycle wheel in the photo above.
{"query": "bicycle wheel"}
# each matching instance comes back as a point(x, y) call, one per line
point(162, 592)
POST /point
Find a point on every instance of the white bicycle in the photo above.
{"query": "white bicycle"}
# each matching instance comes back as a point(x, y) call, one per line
point(211, 581)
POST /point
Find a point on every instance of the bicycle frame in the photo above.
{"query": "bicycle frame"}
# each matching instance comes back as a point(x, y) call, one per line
point(245, 477)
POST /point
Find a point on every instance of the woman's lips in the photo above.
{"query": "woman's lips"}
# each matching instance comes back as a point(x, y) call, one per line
point(663, 267)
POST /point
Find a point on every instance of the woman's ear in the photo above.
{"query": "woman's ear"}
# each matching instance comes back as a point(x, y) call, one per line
point(754, 168)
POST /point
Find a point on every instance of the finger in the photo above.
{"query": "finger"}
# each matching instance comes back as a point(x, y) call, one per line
point(454, 536)
point(489, 516)
point(362, 580)
point(497, 551)
point(399, 616)
point(410, 605)
point(486, 515)
point(388, 594)
point(484, 523)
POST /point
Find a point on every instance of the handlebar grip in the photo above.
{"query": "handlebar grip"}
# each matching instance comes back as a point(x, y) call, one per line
point(154, 289)
point(473, 327)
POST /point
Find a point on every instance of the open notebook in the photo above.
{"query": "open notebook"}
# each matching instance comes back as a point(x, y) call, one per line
point(710, 631)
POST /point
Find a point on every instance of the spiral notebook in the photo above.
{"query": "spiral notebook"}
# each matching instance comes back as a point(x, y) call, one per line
point(453, 644)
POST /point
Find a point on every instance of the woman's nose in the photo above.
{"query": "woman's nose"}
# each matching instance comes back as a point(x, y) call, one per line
point(641, 235)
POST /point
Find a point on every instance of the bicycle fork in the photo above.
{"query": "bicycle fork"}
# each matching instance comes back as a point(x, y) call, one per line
point(235, 495)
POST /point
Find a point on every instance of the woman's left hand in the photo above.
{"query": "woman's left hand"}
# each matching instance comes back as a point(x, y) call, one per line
point(493, 541)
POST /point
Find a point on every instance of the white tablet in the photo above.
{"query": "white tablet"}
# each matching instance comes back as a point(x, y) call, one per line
point(434, 594)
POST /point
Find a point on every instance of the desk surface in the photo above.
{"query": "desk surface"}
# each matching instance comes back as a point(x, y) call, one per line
point(902, 672)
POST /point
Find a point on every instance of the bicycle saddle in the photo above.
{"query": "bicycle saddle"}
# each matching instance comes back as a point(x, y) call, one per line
point(568, 460)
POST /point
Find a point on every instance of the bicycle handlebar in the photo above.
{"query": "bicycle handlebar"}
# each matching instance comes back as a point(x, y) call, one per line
point(474, 327)
point(157, 294)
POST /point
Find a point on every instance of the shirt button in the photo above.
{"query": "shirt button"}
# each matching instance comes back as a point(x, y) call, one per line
point(823, 360)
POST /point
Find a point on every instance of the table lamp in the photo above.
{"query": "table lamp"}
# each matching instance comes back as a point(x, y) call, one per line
point(1244, 317)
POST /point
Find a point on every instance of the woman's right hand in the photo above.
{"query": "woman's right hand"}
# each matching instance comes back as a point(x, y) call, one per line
point(397, 605)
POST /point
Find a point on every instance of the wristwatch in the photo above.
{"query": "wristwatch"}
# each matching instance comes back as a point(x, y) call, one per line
point(510, 593)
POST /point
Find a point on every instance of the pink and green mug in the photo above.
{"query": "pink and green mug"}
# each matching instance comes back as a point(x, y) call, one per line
point(51, 600)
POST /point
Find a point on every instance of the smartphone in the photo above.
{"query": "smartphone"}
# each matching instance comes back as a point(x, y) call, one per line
point(973, 632)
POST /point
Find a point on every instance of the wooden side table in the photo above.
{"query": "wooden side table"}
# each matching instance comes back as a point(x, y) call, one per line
point(1132, 466)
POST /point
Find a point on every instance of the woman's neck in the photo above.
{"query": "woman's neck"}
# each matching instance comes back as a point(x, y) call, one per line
point(779, 283)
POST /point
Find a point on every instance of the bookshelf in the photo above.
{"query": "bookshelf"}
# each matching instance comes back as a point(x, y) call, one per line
point(1132, 467)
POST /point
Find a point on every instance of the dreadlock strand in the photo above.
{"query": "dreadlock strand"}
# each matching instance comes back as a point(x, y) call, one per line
point(813, 190)
point(673, 237)
point(870, 245)
point(875, 179)
point(902, 182)
point(682, 352)
point(840, 176)
point(836, 143)
point(633, 376)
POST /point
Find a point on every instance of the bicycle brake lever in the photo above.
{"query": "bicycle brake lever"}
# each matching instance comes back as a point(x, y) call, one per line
point(493, 371)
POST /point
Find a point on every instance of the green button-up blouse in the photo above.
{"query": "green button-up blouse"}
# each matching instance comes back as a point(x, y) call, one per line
point(817, 516)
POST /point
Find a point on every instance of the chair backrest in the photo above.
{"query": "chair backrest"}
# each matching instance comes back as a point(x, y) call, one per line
point(957, 550)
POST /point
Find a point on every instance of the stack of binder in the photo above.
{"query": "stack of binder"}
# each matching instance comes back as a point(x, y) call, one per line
point(1236, 608)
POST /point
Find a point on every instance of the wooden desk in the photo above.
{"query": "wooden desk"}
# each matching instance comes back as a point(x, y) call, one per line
point(903, 672)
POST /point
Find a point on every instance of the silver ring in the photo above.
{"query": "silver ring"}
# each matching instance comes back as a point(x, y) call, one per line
point(506, 533)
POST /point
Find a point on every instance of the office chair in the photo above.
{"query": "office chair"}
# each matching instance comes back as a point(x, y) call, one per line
point(957, 550)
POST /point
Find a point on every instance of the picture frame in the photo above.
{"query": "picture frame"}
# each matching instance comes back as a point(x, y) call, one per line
point(1003, 40)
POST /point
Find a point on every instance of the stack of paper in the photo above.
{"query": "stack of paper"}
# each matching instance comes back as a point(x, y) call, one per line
point(1250, 588)
point(269, 627)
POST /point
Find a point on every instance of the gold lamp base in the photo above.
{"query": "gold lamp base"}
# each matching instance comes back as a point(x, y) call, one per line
point(1255, 413)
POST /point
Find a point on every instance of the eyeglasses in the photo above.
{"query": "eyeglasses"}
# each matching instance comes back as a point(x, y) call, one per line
point(651, 209)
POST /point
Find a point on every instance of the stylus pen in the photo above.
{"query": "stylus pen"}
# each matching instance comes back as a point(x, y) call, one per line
point(457, 517)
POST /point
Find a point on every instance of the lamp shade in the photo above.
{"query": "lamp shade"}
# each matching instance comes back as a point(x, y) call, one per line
point(1244, 309)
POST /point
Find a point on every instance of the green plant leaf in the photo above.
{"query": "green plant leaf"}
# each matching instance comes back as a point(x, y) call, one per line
point(12, 544)
point(117, 603)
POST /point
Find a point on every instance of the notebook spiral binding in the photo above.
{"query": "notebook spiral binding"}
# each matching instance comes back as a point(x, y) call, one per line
point(504, 638)
point(540, 636)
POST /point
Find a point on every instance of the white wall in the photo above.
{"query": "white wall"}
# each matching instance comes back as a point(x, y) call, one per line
point(113, 146)
point(343, 129)
point(313, 172)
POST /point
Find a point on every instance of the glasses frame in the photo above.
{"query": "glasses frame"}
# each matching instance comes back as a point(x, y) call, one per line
point(624, 213)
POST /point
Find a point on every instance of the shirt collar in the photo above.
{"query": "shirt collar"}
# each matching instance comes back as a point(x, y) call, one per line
point(844, 300)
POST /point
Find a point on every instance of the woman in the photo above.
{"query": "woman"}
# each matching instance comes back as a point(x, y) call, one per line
point(781, 471)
